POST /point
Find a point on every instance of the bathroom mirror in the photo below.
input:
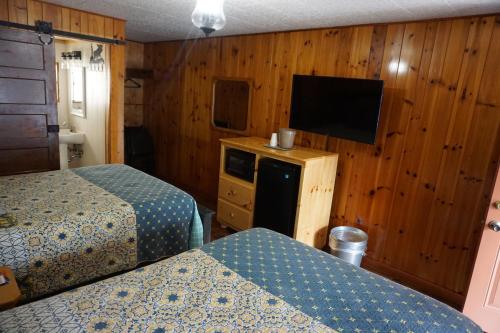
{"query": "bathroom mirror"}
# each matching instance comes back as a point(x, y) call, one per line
point(77, 91)
point(231, 104)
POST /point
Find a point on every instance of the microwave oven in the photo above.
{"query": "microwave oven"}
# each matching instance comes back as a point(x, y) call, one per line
point(240, 164)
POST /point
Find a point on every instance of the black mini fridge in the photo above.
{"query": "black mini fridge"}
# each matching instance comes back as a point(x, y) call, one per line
point(276, 195)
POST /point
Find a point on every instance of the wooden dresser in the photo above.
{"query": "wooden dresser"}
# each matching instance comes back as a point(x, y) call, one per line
point(235, 205)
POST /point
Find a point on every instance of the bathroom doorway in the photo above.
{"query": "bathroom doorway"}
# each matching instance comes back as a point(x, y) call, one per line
point(83, 90)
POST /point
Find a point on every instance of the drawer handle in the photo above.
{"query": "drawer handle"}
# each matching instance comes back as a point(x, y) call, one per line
point(231, 214)
point(231, 192)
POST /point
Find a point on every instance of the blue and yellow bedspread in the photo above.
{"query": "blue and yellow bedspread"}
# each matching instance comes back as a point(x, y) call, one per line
point(256, 280)
point(77, 225)
point(168, 222)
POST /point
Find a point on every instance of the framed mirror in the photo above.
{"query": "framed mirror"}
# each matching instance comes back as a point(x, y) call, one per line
point(77, 91)
point(231, 104)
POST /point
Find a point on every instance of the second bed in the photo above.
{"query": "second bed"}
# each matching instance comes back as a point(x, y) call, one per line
point(76, 225)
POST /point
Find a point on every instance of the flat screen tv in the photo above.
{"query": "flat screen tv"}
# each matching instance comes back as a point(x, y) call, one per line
point(340, 107)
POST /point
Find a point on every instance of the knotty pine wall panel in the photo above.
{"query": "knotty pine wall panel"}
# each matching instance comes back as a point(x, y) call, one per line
point(420, 192)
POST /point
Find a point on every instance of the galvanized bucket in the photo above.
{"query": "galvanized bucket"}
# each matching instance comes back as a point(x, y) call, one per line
point(348, 244)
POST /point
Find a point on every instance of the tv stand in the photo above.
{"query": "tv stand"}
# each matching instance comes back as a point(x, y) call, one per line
point(236, 199)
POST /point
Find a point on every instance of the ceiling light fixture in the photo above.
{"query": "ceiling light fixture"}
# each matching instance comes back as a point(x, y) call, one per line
point(208, 15)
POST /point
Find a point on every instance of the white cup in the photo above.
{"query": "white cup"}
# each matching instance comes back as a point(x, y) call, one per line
point(274, 140)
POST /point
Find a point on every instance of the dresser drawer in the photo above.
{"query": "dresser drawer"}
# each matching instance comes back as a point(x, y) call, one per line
point(233, 215)
point(236, 193)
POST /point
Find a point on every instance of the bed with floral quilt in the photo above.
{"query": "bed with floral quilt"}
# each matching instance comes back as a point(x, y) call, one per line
point(76, 225)
point(255, 280)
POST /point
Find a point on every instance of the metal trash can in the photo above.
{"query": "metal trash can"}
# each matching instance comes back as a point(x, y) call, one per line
point(348, 244)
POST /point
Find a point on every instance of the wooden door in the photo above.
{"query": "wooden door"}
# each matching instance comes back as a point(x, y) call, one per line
point(28, 112)
point(483, 299)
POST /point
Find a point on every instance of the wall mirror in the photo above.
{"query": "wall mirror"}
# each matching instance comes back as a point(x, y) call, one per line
point(231, 104)
point(77, 90)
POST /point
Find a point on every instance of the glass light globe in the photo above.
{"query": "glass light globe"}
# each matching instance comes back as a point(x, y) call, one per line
point(208, 15)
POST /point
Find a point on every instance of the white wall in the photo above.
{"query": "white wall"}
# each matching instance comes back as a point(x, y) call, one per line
point(97, 103)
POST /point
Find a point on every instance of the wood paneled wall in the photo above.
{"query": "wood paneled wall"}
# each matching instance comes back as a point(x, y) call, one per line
point(62, 18)
point(68, 19)
point(134, 99)
point(420, 192)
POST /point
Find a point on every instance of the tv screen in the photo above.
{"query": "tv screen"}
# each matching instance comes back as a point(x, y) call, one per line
point(336, 106)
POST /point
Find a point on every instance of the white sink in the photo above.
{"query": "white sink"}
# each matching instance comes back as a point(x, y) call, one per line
point(69, 138)
point(66, 137)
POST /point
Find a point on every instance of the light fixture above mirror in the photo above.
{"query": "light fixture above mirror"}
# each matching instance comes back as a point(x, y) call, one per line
point(208, 15)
